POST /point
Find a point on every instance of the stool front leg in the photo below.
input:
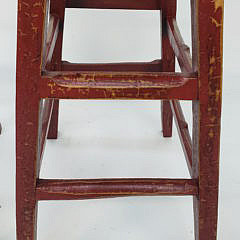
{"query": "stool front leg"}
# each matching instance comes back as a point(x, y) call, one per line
point(27, 156)
point(30, 42)
point(207, 22)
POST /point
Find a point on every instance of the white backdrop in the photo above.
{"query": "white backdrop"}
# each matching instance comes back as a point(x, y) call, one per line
point(118, 138)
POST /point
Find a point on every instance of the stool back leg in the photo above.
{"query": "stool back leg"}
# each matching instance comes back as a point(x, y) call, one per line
point(30, 37)
point(168, 65)
point(207, 22)
point(58, 8)
point(53, 126)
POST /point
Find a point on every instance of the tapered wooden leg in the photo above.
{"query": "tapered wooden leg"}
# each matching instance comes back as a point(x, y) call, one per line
point(53, 127)
point(207, 22)
point(30, 42)
point(167, 118)
point(57, 8)
point(206, 142)
point(27, 155)
point(168, 65)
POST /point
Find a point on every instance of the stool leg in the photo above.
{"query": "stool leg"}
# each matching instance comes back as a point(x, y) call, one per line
point(167, 118)
point(53, 127)
point(30, 41)
point(58, 8)
point(207, 61)
point(168, 65)
point(27, 118)
point(206, 142)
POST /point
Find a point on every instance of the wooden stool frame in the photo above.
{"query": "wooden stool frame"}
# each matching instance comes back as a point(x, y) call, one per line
point(41, 74)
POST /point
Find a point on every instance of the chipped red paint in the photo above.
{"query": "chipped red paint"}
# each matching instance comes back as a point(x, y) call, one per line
point(168, 63)
point(29, 45)
point(41, 74)
point(55, 189)
point(57, 8)
point(118, 85)
point(207, 49)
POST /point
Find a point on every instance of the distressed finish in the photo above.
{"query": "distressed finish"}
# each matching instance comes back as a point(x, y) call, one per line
point(208, 20)
point(54, 189)
point(57, 8)
point(123, 85)
point(168, 59)
point(43, 78)
point(30, 36)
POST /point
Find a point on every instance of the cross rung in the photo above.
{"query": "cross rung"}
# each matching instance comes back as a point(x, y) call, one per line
point(115, 4)
point(153, 66)
point(55, 189)
point(119, 85)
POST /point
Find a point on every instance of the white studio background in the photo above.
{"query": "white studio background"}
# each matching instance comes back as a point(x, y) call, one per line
point(118, 138)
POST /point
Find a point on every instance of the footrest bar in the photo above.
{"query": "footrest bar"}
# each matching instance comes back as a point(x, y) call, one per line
point(56, 189)
point(118, 85)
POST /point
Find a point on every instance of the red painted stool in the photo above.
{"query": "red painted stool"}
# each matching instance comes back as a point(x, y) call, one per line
point(43, 78)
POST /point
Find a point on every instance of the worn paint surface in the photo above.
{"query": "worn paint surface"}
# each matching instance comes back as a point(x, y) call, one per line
point(142, 81)
point(56, 8)
point(56, 189)
point(168, 59)
point(118, 86)
point(207, 114)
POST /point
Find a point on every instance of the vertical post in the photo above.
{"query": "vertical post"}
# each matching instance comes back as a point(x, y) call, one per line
point(168, 64)
point(58, 8)
point(207, 26)
point(30, 38)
